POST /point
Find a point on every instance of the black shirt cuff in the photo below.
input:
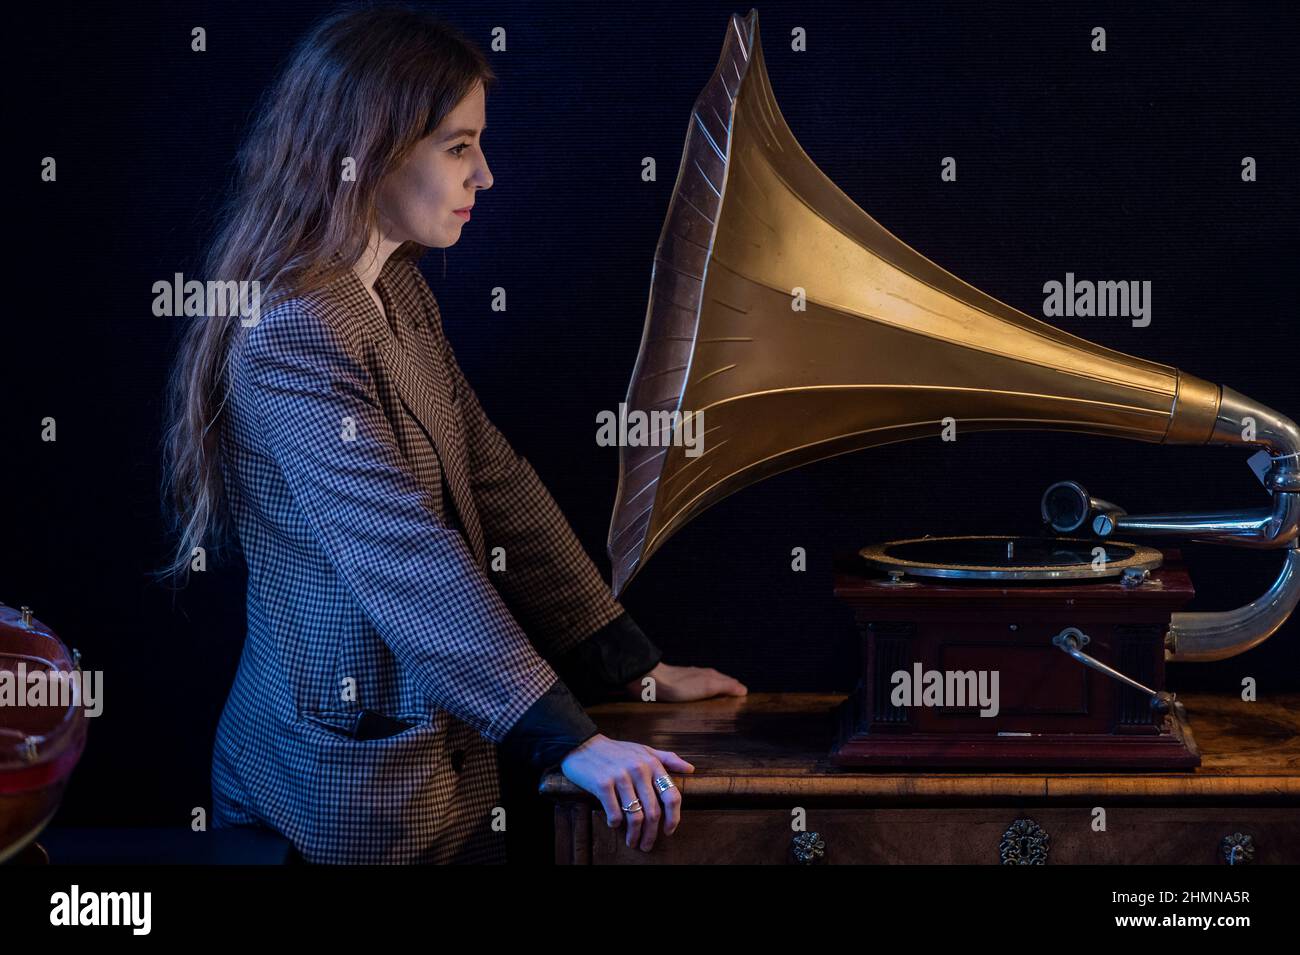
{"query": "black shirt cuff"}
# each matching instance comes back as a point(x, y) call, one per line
point(549, 729)
point(599, 668)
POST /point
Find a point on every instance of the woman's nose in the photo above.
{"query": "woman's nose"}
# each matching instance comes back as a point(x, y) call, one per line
point(483, 176)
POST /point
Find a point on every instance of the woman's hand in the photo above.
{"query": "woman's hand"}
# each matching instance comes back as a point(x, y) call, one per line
point(617, 772)
point(683, 684)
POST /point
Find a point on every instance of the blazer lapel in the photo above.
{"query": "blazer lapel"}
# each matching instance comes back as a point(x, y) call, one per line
point(425, 388)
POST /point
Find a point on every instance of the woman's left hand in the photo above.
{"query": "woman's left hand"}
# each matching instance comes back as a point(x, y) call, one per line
point(683, 684)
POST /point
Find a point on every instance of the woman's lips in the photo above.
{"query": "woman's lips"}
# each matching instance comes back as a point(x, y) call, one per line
point(463, 213)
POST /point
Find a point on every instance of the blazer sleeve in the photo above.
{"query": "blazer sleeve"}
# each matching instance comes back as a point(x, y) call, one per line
point(415, 578)
point(599, 669)
point(550, 582)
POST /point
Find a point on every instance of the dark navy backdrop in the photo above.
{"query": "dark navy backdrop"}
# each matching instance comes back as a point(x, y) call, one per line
point(1122, 165)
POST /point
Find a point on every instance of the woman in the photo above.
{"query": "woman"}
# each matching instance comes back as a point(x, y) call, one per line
point(387, 649)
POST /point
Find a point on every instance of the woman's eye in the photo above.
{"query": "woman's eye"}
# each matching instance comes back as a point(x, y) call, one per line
point(461, 146)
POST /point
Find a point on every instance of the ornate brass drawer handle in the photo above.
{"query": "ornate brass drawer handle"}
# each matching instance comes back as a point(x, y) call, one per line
point(1238, 849)
point(807, 848)
point(1024, 843)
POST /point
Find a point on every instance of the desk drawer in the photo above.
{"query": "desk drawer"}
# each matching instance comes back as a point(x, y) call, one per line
point(1133, 836)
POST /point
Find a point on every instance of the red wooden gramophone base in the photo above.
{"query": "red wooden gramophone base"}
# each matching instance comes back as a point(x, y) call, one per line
point(1053, 712)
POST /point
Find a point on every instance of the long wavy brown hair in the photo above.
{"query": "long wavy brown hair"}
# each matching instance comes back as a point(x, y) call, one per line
point(367, 83)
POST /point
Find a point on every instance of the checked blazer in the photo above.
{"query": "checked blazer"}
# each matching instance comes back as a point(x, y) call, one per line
point(368, 489)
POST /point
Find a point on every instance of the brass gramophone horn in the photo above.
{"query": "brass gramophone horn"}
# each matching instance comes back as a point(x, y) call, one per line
point(887, 346)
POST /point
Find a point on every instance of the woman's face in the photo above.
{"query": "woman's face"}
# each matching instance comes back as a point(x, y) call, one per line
point(418, 201)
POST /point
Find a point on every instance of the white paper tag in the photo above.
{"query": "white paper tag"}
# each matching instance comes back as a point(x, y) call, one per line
point(1259, 463)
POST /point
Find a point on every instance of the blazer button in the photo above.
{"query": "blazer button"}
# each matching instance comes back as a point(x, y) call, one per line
point(458, 759)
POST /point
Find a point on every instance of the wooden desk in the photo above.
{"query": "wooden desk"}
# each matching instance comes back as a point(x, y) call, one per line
point(761, 758)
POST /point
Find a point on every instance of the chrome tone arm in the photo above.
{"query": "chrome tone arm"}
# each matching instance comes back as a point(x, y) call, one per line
point(1218, 634)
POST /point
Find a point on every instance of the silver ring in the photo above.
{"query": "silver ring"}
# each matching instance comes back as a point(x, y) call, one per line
point(664, 783)
point(633, 806)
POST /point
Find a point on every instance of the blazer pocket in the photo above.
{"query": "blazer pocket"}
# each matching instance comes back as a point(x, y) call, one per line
point(363, 725)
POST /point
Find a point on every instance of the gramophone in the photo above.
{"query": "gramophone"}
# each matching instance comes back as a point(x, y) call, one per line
point(788, 326)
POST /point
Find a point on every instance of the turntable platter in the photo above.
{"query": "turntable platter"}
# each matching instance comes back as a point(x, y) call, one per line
point(1011, 558)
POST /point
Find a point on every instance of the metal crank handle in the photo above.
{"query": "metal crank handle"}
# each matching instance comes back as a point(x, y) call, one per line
point(1072, 639)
